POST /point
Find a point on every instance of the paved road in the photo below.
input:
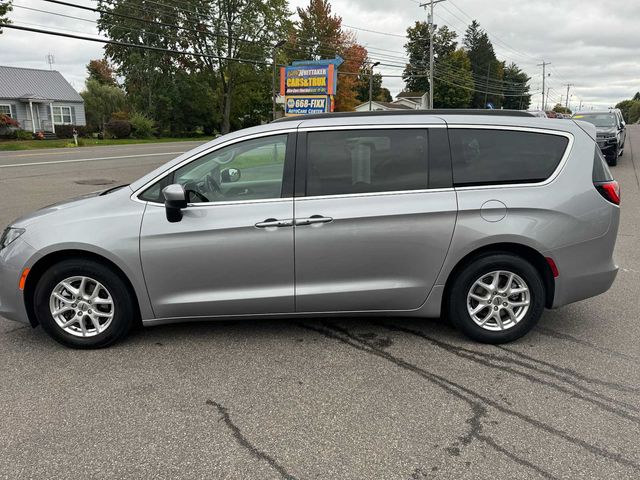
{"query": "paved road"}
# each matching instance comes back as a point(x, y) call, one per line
point(339, 399)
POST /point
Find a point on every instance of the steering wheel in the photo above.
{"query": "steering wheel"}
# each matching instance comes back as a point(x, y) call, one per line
point(212, 185)
point(192, 188)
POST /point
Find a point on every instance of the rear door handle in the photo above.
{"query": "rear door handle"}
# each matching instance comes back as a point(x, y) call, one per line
point(313, 220)
point(273, 222)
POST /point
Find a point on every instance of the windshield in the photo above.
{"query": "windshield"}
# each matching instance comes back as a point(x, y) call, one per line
point(602, 120)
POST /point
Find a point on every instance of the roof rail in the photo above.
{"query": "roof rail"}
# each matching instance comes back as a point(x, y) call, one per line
point(393, 113)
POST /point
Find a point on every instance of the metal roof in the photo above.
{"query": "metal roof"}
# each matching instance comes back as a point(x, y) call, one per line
point(25, 83)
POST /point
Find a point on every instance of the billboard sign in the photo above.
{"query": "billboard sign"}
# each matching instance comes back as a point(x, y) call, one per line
point(308, 80)
point(307, 104)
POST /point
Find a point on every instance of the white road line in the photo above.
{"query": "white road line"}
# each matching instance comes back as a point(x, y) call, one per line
point(77, 160)
point(66, 151)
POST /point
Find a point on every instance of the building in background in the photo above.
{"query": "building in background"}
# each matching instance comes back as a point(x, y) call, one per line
point(39, 99)
point(403, 101)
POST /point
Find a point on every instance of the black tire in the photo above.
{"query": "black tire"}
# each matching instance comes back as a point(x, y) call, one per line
point(461, 285)
point(613, 161)
point(124, 310)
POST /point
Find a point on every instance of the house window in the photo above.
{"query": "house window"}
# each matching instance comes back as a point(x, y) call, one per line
point(62, 115)
point(5, 110)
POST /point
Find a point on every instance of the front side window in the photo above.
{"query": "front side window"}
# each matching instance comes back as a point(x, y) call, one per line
point(5, 110)
point(495, 157)
point(366, 161)
point(249, 170)
point(62, 115)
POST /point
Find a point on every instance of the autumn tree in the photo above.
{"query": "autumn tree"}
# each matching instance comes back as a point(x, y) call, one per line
point(319, 35)
point(100, 71)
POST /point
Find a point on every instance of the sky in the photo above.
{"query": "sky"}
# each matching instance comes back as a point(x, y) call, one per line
point(589, 43)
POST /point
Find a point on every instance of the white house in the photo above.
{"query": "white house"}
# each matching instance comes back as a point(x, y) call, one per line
point(403, 101)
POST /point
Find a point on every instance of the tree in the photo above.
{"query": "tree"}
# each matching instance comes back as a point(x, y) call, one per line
point(417, 48)
point(457, 90)
point(5, 8)
point(232, 39)
point(559, 108)
point(625, 108)
point(379, 93)
point(487, 70)
point(319, 35)
point(100, 71)
point(636, 96)
point(516, 88)
point(101, 101)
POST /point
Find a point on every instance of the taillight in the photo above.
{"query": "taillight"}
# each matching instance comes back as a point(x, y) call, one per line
point(609, 190)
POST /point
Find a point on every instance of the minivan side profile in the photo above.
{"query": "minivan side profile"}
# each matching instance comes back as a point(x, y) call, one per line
point(486, 219)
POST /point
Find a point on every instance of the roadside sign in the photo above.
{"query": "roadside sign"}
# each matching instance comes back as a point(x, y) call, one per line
point(307, 104)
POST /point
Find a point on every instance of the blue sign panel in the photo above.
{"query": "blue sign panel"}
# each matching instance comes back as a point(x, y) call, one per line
point(307, 104)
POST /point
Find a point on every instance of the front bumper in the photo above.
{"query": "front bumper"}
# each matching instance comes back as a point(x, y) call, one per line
point(607, 149)
point(13, 260)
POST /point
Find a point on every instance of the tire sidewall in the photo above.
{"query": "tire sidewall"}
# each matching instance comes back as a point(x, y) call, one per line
point(122, 302)
point(457, 302)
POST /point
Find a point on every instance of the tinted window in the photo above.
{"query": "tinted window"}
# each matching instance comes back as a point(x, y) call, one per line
point(601, 172)
point(493, 157)
point(363, 161)
point(249, 170)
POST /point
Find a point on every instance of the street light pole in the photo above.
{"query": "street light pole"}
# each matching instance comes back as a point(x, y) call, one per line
point(371, 83)
point(273, 80)
point(431, 54)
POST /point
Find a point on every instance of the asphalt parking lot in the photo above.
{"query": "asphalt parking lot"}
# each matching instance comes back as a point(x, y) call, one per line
point(320, 399)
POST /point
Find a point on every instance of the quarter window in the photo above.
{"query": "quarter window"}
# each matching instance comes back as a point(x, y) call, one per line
point(249, 170)
point(366, 161)
point(62, 115)
point(5, 110)
point(494, 157)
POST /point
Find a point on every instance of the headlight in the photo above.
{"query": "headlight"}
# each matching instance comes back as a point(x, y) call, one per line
point(9, 235)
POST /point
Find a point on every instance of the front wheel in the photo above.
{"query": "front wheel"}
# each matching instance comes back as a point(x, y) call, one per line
point(497, 298)
point(83, 304)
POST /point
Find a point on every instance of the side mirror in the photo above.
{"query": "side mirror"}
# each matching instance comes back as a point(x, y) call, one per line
point(230, 175)
point(175, 199)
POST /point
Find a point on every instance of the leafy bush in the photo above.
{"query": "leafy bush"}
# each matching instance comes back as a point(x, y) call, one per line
point(23, 135)
point(118, 128)
point(142, 126)
point(7, 121)
point(66, 131)
point(119, 115)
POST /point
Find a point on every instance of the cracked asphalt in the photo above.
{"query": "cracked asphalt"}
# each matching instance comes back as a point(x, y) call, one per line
point(322, 399)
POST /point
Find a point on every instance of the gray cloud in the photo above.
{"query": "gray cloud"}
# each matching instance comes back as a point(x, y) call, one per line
point(590, 43)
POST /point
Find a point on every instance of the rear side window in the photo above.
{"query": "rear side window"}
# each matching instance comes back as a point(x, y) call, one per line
point(601, 172)
point(366, 161)
point(495, 157)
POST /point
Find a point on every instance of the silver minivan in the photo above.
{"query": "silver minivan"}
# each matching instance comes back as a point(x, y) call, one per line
point(483, 218)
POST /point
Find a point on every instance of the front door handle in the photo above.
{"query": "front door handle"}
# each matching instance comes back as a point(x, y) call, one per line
point(273, 222)
point(313, 220)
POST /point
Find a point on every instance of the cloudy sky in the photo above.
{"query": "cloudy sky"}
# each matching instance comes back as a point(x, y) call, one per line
point(589, 43)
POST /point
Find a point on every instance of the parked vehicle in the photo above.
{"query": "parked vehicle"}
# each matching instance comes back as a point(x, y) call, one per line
point(611, 132)
point(486, 218)
point(538, 113)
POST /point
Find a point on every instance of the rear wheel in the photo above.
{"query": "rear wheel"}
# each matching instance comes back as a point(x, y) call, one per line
point(497, 298)
point(83, 304)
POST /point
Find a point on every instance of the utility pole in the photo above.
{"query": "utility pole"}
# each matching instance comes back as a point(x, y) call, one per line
point(273, 80)
point(544, 77)
point(546, 98)
point(486, 90)
point(431, 32)
point(569, 85)
point(371, 84)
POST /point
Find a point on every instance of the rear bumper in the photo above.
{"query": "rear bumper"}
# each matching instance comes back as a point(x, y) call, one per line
point(586, 269)
point(13, 260)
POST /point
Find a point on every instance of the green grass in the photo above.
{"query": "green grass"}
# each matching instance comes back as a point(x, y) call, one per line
point(14, 145)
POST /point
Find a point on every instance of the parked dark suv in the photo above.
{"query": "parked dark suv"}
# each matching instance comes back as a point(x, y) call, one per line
point(611, 132)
